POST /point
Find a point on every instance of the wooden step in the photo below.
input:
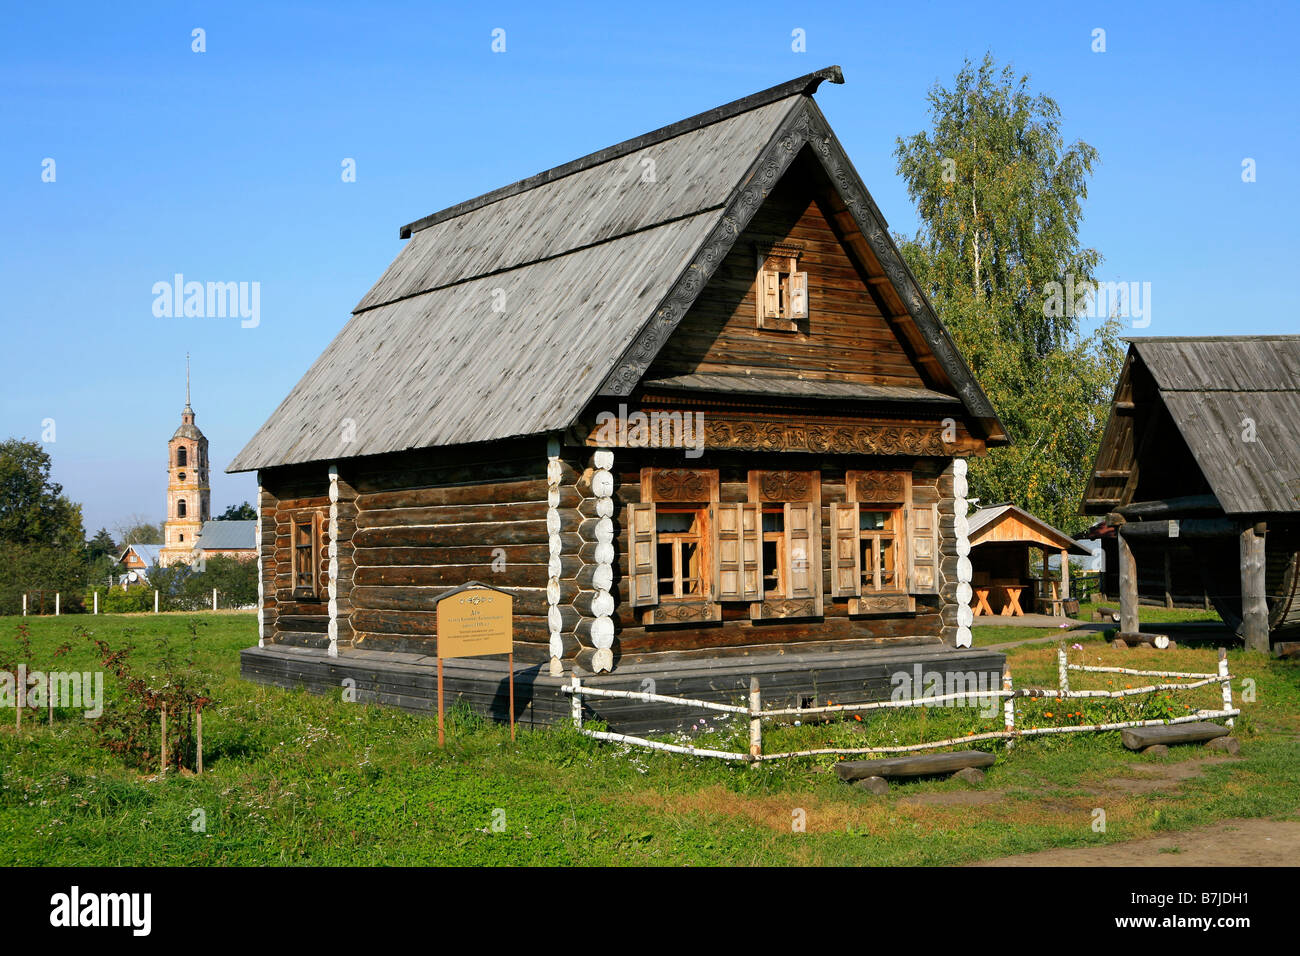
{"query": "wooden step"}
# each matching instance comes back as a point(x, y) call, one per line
point(921, 765)
point(1136, 738)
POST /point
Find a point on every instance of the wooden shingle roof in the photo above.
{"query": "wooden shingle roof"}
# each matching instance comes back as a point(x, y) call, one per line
point(506, 315)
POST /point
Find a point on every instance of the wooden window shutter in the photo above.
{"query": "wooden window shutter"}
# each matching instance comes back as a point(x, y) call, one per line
point(798, 295)
point(803, 559)
point(738, 552)
point(846, 559)
point(923, 550)
point(643, 556)
point(769, 296)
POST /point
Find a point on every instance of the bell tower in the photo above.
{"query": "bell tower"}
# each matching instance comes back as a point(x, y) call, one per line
point(188, 499)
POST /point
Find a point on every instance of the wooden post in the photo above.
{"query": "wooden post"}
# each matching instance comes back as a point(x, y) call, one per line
point(1254, 609)
point(1065, 575)
point(56, 603)
point(510, 661)
point(1062, 670)
point(575, 702)
point(1227, 685)
point(20, 698)
point(24, 604)
point(164, 736)
point(1128, 587)
point(49, 694)
point(755, 723)
point(1169, 588)
point(198, 731)
point(441, 736)
point(155, 600)
point(214, 599)
point(96, 602)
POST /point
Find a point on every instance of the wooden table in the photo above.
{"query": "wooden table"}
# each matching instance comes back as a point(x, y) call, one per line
point(1012, 607)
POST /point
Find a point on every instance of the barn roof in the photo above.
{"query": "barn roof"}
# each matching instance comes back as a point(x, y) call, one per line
point(506, 315)
point(148, 553)
point(1218, 390)
point(227, 536)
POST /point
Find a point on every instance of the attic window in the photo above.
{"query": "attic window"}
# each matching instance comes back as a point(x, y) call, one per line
point(780, 290)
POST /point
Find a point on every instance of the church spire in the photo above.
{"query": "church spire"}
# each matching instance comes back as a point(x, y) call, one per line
point(187, 381)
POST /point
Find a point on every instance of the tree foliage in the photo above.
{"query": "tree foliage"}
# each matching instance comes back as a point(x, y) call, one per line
point(33, 509)
point(240, 512)
point(1000, 195)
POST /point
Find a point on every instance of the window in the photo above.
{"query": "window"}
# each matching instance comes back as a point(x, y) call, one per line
point(680, 544)
point(878, 541)
point(780, 290)
point(180, 508)
point(791, 543)
point(305, 554)
point(884, 542)
point(775, 576)
point(180, 457)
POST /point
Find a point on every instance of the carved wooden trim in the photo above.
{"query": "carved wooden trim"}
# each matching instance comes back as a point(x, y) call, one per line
point(673, 612)
point(782, 486)
point(785, 608)
point(679, 484)
point(879, 486)
point(846, 439)
point(883, 604)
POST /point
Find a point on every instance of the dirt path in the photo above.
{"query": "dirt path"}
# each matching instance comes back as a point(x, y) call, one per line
point(1227, 843)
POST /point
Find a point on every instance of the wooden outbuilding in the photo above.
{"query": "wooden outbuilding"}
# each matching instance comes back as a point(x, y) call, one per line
point(1001, 539)
point(682, 398)
point(1199, 470)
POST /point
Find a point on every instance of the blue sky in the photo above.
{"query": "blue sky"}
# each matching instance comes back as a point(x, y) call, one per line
point(226, 166)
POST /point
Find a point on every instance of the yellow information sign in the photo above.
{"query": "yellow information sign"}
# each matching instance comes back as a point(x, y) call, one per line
point(475, 621)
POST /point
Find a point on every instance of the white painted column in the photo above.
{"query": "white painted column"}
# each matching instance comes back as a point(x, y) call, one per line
point(155, 600)
point(261, 634)
point(56, 603)
point(554, 620)
point(214, 599)
point(96, 602)
point(602, 605)
point(334, 562)
point(961, 527)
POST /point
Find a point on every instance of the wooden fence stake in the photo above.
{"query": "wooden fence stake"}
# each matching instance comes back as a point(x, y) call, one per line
point(155, 600)
point(164, 735)
point(1009, 708)
point(755, 722)
point(198, 731)
point(56, 603)
point(49, 694)
point(214, 599)
point(1227, 685)
point(24, 604)
point(96, 602)
point(575, 702)
point(1062, 669)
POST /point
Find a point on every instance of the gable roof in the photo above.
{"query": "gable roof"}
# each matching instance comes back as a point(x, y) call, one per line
point(986, 518)
point(1210, 386)
point(148, 553)
point(506, 315)
point(227, 536)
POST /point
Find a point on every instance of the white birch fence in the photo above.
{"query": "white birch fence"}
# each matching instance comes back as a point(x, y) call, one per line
point(756, 714)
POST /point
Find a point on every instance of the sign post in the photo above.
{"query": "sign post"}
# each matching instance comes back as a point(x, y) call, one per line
point(475, 620)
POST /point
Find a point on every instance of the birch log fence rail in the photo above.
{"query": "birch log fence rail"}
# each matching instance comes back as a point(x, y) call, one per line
point(756, 714)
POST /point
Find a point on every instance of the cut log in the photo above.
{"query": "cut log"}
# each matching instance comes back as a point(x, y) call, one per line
point(1136, 738)
point(1230, 745)
point(1106, 614)
point(924, 765)
point(1160, 641)
point(876, 785)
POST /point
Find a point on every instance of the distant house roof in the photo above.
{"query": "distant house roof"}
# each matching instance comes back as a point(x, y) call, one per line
point(1025, 528)
point(507, 315)
point(147, 553)
point(227, 536)
point(1216, 389)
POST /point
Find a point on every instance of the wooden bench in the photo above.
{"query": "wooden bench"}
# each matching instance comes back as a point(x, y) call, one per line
point(1144, 738)
point(874, 775)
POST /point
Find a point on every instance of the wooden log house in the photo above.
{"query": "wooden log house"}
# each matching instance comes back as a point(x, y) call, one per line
point(1001, 538)
point(1199, 471)
point(682, 398)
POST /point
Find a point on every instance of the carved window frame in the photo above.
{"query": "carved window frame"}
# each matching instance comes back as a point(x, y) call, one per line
point(789, 489)
point(678, 490)
point(305, 547)
point(777, 276)
point(884, 489)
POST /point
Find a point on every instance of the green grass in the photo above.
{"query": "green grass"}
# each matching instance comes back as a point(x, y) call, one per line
point(300, 779)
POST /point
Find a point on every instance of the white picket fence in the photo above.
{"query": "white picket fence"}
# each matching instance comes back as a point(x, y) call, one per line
point(756, 714)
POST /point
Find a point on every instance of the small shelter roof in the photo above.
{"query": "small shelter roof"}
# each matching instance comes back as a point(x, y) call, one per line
point(1010, 524)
